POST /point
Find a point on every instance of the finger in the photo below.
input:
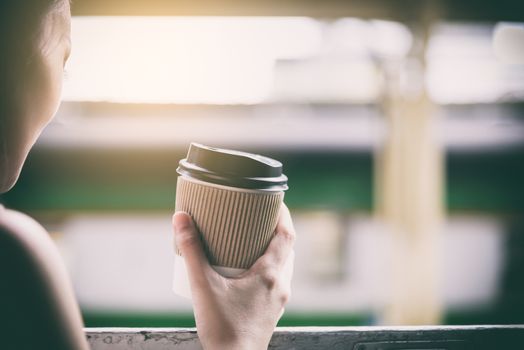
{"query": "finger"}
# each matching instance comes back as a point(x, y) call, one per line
point(188, 241)
point(282, 243)
point(281, 314)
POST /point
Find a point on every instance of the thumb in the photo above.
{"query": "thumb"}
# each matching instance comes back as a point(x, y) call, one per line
point(187, 239)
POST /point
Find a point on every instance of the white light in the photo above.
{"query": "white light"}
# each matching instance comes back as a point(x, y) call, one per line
point(481, 131)
point(508, 42)
point(391, 39)
point(358, 37)
point(327, 80)
point(452, 80)
point(463, 68)
point(223, 60)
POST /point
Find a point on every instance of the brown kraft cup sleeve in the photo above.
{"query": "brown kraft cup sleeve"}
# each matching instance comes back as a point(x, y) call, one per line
point(236, 226)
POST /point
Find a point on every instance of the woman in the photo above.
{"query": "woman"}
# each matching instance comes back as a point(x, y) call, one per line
point(239, 313)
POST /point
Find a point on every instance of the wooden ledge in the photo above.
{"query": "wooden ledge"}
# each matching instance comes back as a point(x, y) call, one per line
point(347, 338)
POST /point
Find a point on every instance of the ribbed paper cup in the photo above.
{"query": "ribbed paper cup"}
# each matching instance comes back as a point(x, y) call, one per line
point(234, 210)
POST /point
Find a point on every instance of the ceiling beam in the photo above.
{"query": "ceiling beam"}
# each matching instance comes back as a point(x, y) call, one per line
point(401, 10)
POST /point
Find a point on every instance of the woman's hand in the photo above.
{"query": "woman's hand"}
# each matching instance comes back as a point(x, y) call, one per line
point(239, 312)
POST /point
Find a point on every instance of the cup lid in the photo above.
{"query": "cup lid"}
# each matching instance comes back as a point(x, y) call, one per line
point(232, 168)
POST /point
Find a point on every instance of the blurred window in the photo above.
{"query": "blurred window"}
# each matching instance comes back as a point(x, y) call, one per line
point(228, 60)
point(463, 68)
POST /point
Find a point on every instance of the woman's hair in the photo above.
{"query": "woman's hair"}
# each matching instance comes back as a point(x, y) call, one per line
point(21, 30)
point(21, 25)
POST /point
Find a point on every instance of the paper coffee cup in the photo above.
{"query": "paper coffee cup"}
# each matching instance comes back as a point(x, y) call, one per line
point(234, 199)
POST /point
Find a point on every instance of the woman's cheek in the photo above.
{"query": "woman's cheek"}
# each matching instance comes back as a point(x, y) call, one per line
point(46, 93)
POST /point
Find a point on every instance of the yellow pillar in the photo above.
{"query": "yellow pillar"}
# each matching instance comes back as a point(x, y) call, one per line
point(409, 179)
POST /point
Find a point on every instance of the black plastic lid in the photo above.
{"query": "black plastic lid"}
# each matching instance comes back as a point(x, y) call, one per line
point(232, 168)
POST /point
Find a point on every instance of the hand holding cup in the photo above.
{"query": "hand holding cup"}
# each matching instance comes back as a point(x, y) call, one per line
point(238, 312)
point(234, 199)
point(234, 245)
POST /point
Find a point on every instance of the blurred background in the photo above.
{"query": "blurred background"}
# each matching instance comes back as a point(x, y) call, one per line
point(400, 125)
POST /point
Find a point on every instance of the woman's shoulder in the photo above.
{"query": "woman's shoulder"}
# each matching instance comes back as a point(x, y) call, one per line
point(23, 235)
point(36, 280)
point(21, 227)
